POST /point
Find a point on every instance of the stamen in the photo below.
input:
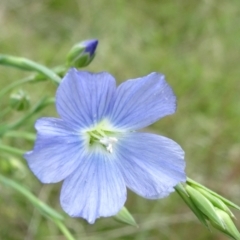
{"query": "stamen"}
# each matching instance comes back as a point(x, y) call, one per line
point(94, 135)
point(108, 142)
point(101, 132)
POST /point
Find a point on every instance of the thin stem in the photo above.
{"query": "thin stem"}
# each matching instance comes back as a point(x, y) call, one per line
point(40, 105)
point(12, 150)
point(64, 230)
point(21, 134)
point(15, 84)
point(29, 114)
point(29, 65)
point(41, 206)
point(59, 70)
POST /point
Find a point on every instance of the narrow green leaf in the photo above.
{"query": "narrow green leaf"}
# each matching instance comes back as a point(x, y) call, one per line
point(21, 134)
point(41, 206)
point(12, 150)
point(64, 230)
point(125, 216)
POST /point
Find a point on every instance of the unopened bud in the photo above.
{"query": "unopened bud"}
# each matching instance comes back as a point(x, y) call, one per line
point(20, 100)
point(203, 204)
point(217, 202)
point(229, 227)
point(82, 53)
point(209, 207)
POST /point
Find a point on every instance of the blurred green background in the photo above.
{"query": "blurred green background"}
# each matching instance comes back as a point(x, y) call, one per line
point(196, 44)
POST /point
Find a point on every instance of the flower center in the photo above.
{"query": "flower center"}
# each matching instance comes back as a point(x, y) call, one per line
point(103, 136)
point(108, 142)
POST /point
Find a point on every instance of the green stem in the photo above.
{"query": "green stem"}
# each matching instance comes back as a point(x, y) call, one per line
point(60, 70)
point(40, 105)
point(29, 65)
point(64, 230)
point(15, 84)
point(12, 150)
point(28, 115)
point(44, 208)
point(21, 134)
point(41, 206)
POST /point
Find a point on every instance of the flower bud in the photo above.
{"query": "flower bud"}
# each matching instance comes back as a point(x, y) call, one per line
point(209, 207)
point(204, 205)
point(217, 202)
point(180, 189)
point(20, 100)
point(229, 226)
point(82, 53)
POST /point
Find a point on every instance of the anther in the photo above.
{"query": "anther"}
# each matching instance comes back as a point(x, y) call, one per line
point(108, 142)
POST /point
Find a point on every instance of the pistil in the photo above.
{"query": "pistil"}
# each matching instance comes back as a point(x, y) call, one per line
point(99, 135)
point(108, 142)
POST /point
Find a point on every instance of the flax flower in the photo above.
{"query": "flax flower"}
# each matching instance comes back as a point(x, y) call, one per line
point(94, 147)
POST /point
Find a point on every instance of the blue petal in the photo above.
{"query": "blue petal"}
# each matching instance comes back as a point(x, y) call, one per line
point(151, 165)
point(57, 152)
point(84, 98)
point(142, 101)
point(96, 189)
point(91, 46)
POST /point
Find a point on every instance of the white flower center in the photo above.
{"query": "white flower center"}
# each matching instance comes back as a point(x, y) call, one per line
point(103, 135)
point(108, 142)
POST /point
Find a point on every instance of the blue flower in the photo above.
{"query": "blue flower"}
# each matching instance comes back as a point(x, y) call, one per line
point(95, 149)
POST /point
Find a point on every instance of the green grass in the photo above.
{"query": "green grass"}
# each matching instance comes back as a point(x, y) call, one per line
point(194, 43)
